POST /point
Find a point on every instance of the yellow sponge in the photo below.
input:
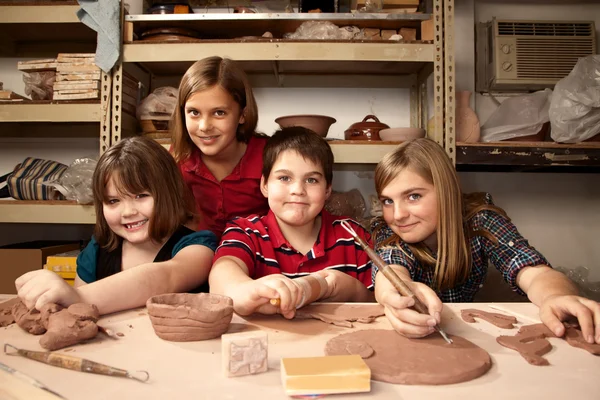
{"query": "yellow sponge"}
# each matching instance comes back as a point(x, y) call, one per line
point(325, 375)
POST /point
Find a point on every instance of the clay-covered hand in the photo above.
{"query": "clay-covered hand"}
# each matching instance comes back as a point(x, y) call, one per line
point(254, 296)
point(558, 308)
point(406, 321)
point(40, 287)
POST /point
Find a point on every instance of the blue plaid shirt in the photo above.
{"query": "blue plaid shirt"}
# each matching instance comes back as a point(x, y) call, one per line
point(509, 256)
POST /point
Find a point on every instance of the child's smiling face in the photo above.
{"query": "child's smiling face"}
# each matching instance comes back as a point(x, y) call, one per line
point(296, 189)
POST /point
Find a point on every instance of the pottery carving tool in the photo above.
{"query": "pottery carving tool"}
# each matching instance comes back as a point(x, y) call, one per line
point(391, 275)
point(28, 379)
point(74, 363)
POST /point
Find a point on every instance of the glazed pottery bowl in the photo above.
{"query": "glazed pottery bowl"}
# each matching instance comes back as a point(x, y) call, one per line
point(401, 134)
point(365, 130)
point(183, 317)
point(317, 123)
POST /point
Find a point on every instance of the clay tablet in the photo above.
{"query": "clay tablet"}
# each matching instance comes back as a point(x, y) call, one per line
point(427, 361)
point(341, 314)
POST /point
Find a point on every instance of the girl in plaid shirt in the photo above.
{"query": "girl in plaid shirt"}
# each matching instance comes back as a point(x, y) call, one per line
point(441, 240)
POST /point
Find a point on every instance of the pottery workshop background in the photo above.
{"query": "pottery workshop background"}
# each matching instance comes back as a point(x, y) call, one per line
point(559, 213)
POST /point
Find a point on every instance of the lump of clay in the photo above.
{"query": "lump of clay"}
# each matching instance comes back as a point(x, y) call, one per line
point(6, 317)
point(500, 320)
point(341, 314)
point(28, 320)
point(68, 326)
point(183, 317)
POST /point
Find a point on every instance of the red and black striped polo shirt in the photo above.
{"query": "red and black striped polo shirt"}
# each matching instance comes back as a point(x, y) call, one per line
point(259, 243)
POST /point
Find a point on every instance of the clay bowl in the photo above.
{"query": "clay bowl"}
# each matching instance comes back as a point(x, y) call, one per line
point(185, 317)
point(401, 134)
point(317, 123)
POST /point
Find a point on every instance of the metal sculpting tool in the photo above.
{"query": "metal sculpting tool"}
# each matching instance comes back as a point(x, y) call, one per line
point(391, 275)
point(28, 379)
point(75, 363)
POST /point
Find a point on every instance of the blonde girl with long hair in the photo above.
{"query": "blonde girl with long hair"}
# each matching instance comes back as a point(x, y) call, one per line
point(140, 246)
point(441, 241)
point(215, 142)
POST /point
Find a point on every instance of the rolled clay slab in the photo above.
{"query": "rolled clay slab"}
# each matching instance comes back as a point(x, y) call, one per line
point(427, 361)
point(341, 314)
point(183, 317)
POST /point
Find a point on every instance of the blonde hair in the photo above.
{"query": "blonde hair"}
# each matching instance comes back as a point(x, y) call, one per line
point(138, 165)
point(203, 75)
point(429, 160)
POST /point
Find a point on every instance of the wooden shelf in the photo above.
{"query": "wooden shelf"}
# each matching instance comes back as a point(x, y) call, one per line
point(42, 29)
point(50, 112)
point(291, 57)
point(46, 212)
point(346, 151)
point(530, 154)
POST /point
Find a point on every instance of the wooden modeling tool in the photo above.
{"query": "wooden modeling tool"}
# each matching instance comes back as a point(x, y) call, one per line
point(391, 275)
point(75, 363)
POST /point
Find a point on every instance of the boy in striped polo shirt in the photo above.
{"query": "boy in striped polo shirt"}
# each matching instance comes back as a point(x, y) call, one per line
point(259, 256)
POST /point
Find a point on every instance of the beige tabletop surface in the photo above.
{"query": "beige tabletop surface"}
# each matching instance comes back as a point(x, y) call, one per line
point(192, 370)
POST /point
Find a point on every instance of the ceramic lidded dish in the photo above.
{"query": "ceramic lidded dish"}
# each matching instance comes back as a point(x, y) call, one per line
point(365, 130)
point(317, 123)
point(401, 134)
point(185, 317)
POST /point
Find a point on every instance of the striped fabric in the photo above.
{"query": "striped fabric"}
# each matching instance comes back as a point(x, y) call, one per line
point(259, 243)
point(27, 181)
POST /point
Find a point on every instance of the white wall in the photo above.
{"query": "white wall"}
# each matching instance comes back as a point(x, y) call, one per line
point(558, 213)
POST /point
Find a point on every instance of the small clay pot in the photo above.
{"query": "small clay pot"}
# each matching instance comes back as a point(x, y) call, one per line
point(365, 130)
point(185, 317)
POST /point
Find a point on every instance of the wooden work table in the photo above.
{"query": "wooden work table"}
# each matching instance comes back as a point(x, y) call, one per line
point(193, 369)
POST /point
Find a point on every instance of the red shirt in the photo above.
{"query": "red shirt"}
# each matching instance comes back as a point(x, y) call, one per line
point(238, 195)
point(259, 243)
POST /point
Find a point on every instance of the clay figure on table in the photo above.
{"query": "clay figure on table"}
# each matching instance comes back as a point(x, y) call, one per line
point(259, 256)
point(140, 246)
point(440, 240)
point(215, 142)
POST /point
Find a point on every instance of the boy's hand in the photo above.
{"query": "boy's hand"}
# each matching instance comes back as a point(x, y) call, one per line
point(559, 308)
point(37, 288)
point(254, 296)
point(336, 281)
point(404, 320)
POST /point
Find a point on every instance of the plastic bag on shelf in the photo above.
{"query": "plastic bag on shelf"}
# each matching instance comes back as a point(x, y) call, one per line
point(518, 116)
point(575, 107)
point(323, 30)
point(76, 182)
point(39, 85)
point(160, 103)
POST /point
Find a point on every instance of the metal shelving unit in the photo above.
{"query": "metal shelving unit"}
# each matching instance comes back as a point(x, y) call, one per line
point(411, 63)
point(42, 29)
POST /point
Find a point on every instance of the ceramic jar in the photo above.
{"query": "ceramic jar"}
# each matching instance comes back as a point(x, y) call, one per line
point(467, 123)
point(365, 130)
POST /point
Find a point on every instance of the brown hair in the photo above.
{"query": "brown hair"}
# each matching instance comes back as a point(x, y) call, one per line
point(303, 141)
point(455, 209)
point(203, 75)
point(140, 165)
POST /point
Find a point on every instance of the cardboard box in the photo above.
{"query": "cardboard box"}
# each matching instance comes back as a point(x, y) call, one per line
point(17, 259)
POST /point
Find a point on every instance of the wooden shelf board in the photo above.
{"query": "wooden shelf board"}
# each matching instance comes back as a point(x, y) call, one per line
point(35, 111)
point(346, 151)
point(46, 212)
point(39, 12)
point(290, 57)
point(585, 154)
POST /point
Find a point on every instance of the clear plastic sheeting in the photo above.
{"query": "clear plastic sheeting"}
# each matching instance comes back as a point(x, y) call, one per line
point(76, 182)
point(160, 103)
point(518, 116)
point(575, 107)
point(39, 85)
point(580, 276)
point(324, 30)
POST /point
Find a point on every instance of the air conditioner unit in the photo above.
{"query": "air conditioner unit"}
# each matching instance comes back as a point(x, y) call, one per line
point(529, 55)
